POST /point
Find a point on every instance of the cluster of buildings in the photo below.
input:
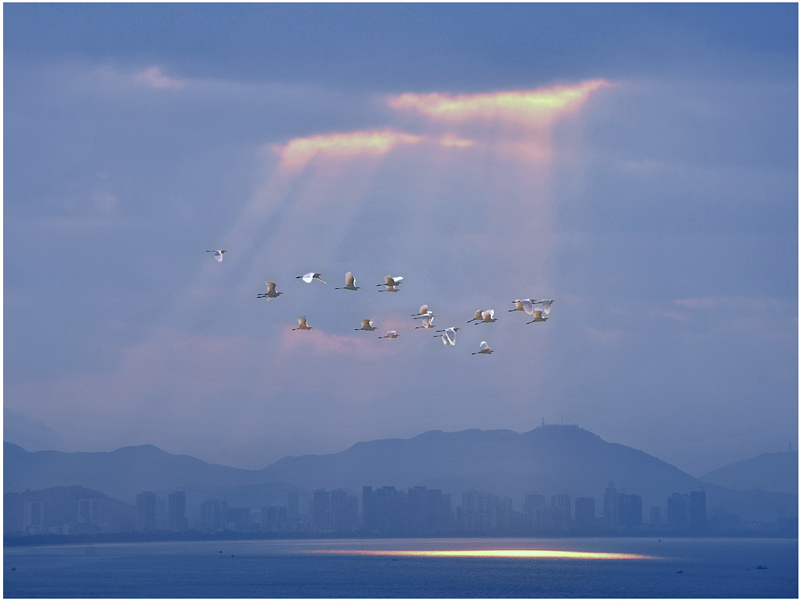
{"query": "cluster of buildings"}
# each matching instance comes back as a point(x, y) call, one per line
point(388, 511)
point(421, 511)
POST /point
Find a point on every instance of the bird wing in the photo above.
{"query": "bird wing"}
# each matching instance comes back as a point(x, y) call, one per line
point(546, 304)
point(491, 313)
point(426, 321)
point(484, 345)
point(527, 305)
point(270, 287)
point(349, 280)
point(478, 314)
point(218, 256)
point(397, 279)
point(301, 321)
point(391, 333)
point(537, 314)
point(423, 309)
point(451, 336)
point(365, 323)
point(307, 278)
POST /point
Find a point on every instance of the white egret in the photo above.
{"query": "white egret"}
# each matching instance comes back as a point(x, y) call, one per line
point(217, 254)
point(310, 277)
point(349, 282)
point(391, 282)
point(390, 334)
point(478, 316)
point(270, 293)
point(487, 317)
point(423, 311)
point(537, 316)
point(303, 325)
point(427, 321)
point(525, 304)
point(545, 304)
point(485, 349)
point(366, 324)
point(448, 336)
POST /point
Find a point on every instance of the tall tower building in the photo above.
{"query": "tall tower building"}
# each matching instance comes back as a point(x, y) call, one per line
point(88, 510)
point(584, 514)
point(369, 515)
point(630, 510)
point(176, 511)
point(32, 516)
point(697, 510)
point(611, 506)
point(146, 511)
point(677, 510)
point(293, 507)
point(321, 512)
point(562, 511)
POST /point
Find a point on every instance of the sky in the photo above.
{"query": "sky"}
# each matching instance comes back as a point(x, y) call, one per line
point(637, 163)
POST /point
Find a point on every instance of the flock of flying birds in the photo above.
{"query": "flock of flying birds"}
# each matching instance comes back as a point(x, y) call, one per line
point(425, 315)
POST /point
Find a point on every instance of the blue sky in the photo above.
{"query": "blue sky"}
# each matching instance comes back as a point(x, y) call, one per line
point(654, 197)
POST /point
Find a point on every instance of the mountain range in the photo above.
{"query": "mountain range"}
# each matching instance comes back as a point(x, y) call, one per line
point(547, 460)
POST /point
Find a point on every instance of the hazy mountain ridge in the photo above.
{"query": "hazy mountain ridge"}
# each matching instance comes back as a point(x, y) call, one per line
point(121, 474)
point(776, 472)
point(546, 460)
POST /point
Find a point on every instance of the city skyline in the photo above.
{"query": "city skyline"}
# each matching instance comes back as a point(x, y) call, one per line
point(636, 163)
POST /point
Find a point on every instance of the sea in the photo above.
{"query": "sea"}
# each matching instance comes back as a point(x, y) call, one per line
point(408, 568)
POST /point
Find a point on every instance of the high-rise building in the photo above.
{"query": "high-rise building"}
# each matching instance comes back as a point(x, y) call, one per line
point(32, 516)
point(88, 510)
point(369, 514)
point(678, 510)
point(611, 506)
point(697, 510)
point(584, 514)
point(275, 517)
point(146, 511)
point(562, 511)
point(530, 508)
point(344, 511)
point(237, 518)
point(212, 514)
point(176, 511)
point(391, 510)
point(630, 510)
point(321, 510)
point(293, 506)
point(426, 510)
point(655, 515)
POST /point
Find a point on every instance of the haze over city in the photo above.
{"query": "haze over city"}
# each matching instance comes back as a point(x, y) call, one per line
point(636, 163)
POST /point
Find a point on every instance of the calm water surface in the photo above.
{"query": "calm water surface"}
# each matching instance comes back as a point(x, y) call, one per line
point(597, 567)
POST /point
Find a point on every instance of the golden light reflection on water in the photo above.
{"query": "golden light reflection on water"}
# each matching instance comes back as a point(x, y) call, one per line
point(507, 553)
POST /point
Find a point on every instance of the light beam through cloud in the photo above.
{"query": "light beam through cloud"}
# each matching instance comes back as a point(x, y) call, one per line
point(535, 107)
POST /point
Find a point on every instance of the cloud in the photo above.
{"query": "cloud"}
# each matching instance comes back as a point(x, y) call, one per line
point(452, 141)
point(536, 107)
point(299, 151)
point(153, 77)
